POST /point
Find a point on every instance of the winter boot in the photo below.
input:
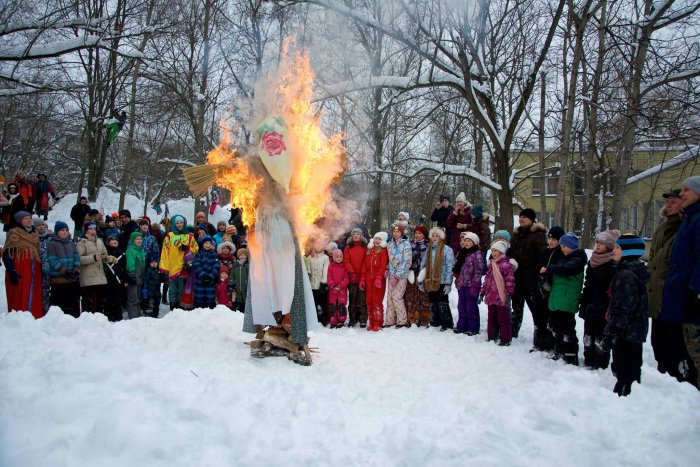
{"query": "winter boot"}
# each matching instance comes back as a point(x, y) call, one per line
point(622, 389)
point(435, 314)
point(174, 305)
point(517, 320)
point(342, 315)
point(333, 311)
point(446, 316)
point(570, 349)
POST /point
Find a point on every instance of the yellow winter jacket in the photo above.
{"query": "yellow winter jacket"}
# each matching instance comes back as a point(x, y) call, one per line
point(172, 256)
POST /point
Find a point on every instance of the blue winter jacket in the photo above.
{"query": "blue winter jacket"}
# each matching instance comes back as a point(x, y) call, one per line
point(680, 302)
point(448, 262)
point(61, 253)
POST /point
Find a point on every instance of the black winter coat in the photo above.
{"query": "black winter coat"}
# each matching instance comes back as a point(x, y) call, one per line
point(628, 312)
point(595, 295)
point(527, 247)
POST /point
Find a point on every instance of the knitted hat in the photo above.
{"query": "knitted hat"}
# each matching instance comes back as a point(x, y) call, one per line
point(188, 257)
point(608, 238)
point(89, 225)
point(478, 211)
point(461, 197)
point(337, 254)
point(37, 221)
point(356, 229)
point(112, 237)
point(529, 213)
point(632, 245)
point(502, 234)
point(401, 228)
point(222, 245)
point(693, 183)
point(224, 268)
point(151, 258)
point(500, 246)
point(241, 252)
point(332, 246)
point(125, 212)
point(556, 232)
point(220, 223)
point(422, 230)
point(115, 215)
point(60, 225)
point(471, 236)
point(383, 236)
point(405, 214)
point(437, 230)
point(569, 240)
point(109, 219)
point(207, 238)
point(21, 215)
point(444, 198)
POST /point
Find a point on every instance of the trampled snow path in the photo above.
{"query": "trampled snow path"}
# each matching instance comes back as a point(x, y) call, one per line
point(183, 391)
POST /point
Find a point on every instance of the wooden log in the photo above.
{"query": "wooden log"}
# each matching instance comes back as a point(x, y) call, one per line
point(282, 343)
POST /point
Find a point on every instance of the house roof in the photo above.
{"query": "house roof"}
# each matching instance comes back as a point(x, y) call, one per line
point(681, 158)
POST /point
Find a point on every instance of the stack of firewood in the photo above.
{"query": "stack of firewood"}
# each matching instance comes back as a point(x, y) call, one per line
point(275, 341)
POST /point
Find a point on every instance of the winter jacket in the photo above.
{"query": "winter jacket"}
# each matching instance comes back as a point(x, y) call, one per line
point(91, 270)
point(135, 261)
point(448, 263)
point(62, 255)
point(680, 302)
point(223, 297)
point(151, 283)
point(238, 280)
point(465, 217)
point(400, 256)
point(628, 310)
point(376, 261)
point(527, 246)
point(417, 253)
point(354, 259)
point(595, 298)
point(337, 277)
point(206, 272)
point(660, 260)
point(116, 274)
point(176, 245)
point(318, 269)
point(471, 271)
point(490, 290)
point(440, 215)
point(481, 228)
point(78, 213)
point(150, 246)
point(567, 281)
point(227, 260)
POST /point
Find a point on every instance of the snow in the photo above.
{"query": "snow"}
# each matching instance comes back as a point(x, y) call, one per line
point(183, 390)
point(49, 49)
point(681, 158)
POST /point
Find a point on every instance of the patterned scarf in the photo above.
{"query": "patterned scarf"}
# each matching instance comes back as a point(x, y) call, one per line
point(433, 275)
point(21, 244)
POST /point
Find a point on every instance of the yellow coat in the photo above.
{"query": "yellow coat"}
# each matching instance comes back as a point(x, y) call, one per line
point(172, 256)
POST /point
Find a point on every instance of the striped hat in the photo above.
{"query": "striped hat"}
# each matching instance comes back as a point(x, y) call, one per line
point(632, 245)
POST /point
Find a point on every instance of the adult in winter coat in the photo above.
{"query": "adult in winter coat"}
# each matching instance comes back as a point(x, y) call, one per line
point(468, 270)
point(176, 244)
point(440, 214)
point(93, 280)
point(400, 255)
point(43, 190)
point(417, 303)
point(206, 274)
point(499, 283)
point(338, 281)
point(26, 191)
point(135, 267)
point(480, 226)
point(594, 299)
point(542, 339)
point(373, 280)
point(567, 281)
point(22, 259)
point(681, 298)
point(317, 263)
point(13, 205)
point(117, 280)
point(356, 223)
point(459, 220)
point(201, 219)
point(64, 268)
point(436, 277)
point(42, 230)
point(78, 213)
point(354, 259)
point(528, 244)
point(127, 228)
point(628, 320)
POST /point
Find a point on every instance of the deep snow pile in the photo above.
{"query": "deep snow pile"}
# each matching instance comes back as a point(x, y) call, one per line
point(183, 390)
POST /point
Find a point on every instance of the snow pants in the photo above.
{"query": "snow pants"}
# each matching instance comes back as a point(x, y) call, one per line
point(113, 301)
point(417, 305)
point(133, 300)
point(692, 342)
point(338, 314)
point(177, 285)
point(67, 298)
point(499, 315)
point(358, 305)
point(468, 309)
point(321, 302)
point(563, 324)
point(375, 303)
point(396, 307)
point(593, 356)
point(627, 362)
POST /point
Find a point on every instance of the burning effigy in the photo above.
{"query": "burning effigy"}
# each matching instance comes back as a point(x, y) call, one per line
point(283, 186)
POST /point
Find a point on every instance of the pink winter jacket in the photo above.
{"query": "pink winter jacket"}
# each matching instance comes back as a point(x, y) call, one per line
point(337, 277)
point(489, 290)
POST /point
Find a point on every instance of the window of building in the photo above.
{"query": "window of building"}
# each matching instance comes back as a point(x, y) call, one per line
point(551, 182)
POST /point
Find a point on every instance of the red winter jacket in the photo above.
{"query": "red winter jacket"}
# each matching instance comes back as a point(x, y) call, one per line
point(354, 259)
point(375, 265)
point(452, 220)
point(337, 277)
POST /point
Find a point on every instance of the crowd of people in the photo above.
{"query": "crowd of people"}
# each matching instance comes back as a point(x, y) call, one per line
point(127, 268)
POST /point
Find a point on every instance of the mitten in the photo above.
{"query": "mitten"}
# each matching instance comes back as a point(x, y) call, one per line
point(110, 259)
point(447, 289)
point(378, 283)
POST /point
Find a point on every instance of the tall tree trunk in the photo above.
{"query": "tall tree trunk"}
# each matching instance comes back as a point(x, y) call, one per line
point(540, 137)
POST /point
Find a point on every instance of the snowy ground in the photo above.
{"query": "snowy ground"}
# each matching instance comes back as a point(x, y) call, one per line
point(183, 391)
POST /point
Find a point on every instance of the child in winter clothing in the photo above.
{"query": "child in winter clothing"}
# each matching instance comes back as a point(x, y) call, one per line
point(354, 259)
point(176, 245)
point(594, 299)
point(238, 280)
point(417, 303)
point(628, 313)
point(186, 299)
point(400, 255)
point(567, 282)
point(317, 266)
point(226, 251)
point(499, 283)
point(223, 297)
point(543, 339)
point(373, 280)
point(135, 265)
point(206, 272)
point(117, 279)
point(436, 276)
point(468, 270)
point(337, 290)
point(403, 220)
point(150, 289)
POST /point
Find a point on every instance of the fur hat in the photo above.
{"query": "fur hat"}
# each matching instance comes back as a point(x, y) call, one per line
point(461, 197)
point(500, 246)
point(405, 214)
point(21, 215)
point(383, 236)
point(556, 232)
point(60, 225)
point(502, 234)
point(569, 240)
point(421, 229)
point(608, 238)
point(471, 236)
point(632, 245)
point(529, 213)
point(241, 252)
point(223, 244)
point(440, 232)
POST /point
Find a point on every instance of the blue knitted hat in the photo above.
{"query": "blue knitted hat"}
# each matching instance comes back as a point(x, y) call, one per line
point(60, 225)
point(632, 245)
point(569, 240)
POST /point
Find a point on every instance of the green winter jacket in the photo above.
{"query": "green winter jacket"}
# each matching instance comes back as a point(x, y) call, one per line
point(659, 260)
point(567, 282)
point(238, 280)
point(135, 259)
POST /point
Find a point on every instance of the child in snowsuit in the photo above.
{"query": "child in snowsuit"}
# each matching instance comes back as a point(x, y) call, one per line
point(135, 265)
point(337, 290)
point(150, 289)
point(223, 297)
point(354, 259)
point(468, 270)
point(499, 283)
point(436, 279)
point(373, 280)
point(238, 280)
point(628, 313)
point(206, 273)
point(400, 255)
point(595, 299)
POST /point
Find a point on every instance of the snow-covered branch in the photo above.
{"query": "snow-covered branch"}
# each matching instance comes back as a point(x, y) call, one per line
point(683, 76)
point(35, 51)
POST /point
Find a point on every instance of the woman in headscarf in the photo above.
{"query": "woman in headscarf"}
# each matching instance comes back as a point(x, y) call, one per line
point(22, 261)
